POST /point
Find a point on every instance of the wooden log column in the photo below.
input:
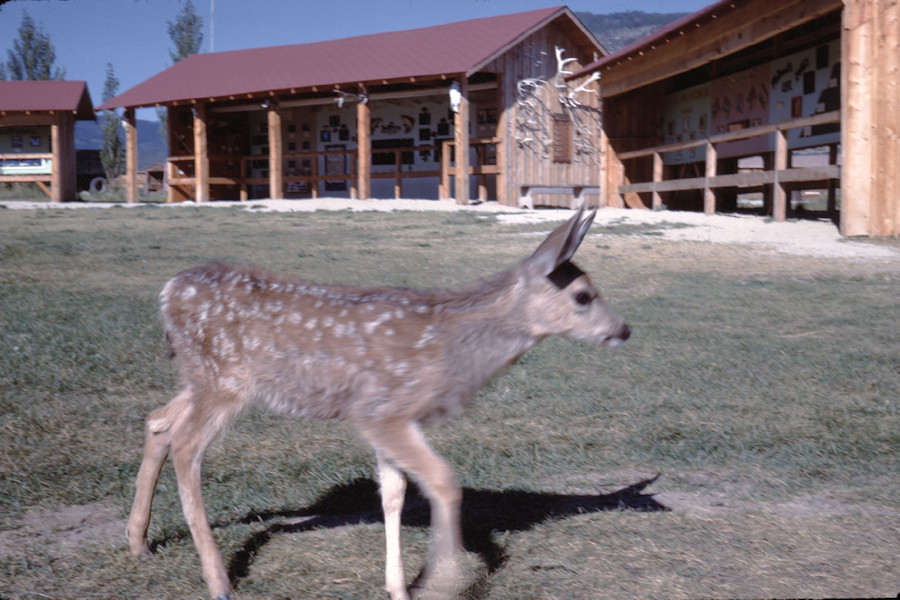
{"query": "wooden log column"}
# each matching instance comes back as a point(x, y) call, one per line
point(870, 118)
point(779, 193)
point(131, 156)
point(276, 154)
point(461, 135)
point(201, 155)
point(56, 166)
point(364, 150)
point(709, 194)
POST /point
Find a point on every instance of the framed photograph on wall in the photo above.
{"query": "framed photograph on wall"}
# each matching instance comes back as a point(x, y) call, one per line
point(335, 164)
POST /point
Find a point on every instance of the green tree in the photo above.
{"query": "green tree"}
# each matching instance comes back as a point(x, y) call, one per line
point(32, 55)
point(112, 153)
point(186, 32)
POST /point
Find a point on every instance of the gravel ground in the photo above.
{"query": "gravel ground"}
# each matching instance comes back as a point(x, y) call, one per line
point(800, 237)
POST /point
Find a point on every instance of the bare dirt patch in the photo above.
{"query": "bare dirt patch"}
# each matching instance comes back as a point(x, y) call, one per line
point(64, 531)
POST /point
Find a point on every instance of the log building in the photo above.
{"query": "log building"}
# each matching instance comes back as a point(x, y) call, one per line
point(37, 133)
point(686, 108)
point(480, 108)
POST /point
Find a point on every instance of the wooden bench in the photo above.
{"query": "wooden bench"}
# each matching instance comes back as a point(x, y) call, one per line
point(578, 192)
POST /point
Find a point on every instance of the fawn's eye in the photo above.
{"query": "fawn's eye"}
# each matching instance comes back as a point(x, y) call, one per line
point(583, 298)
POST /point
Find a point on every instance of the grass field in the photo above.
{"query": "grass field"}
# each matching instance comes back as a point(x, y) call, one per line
point(763, 389)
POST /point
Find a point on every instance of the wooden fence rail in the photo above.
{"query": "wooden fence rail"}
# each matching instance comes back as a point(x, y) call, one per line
point(40, 177)
point(180, 174)
point(780, 176)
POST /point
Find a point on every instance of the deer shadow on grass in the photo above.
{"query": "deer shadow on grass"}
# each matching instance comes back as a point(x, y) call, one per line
point(484, 512)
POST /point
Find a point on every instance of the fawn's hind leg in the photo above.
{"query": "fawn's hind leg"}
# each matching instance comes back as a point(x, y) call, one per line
point(402, 443)
point(159, 428)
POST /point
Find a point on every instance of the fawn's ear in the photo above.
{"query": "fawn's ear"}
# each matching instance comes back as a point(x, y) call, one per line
point(561, 244)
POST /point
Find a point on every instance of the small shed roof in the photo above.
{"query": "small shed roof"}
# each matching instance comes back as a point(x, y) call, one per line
point(461, 47)
point(46, 96)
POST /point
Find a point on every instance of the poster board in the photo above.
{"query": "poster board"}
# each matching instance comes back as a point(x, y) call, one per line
point(802, 84)
point(32, 139)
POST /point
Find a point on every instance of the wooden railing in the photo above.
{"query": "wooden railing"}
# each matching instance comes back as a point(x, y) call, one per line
point(482, 169)
point(180, 169)
point(780, 176)
point(41, 179)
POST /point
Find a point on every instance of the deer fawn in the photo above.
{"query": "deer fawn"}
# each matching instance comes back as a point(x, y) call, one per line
point(387, 360)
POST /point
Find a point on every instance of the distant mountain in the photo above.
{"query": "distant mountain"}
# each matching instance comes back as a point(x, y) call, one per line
point(617, 30)
point(151, 148)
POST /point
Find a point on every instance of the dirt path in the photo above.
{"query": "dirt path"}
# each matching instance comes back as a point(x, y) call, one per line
point(802, 238)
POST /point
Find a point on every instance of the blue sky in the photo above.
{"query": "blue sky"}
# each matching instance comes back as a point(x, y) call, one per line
point(131, 34)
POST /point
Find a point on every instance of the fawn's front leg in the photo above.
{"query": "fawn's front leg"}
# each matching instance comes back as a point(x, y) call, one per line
point(393, 490)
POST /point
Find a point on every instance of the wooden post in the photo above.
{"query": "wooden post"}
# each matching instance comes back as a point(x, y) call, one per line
point(870, 118)
point(444, 187)
point(657, 178)
point(613, 174)
point(856, 116)
point(461, 135)
point(779, 195)
point(171, 171)
point(201, 156)
point(709, 194)
point(131, 156)
point(276, 155)
point(364, 150)
point(56, 166)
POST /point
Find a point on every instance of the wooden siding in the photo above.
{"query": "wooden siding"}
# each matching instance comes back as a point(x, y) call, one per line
point(870, 202)
point(62, 178)
point(520, 165)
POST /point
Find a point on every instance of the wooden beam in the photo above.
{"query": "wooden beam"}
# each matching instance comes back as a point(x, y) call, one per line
point(56, 164)
point(656, 202)
point(364, 150)
point(779, 194)
point(738, 28)
point(741, 134)
point(276, 174)
point(709, 194)
point(201, 154)
point(44, 187)
point(131, 156)
point(788, 178)
point(870, 131)
point(461, 135)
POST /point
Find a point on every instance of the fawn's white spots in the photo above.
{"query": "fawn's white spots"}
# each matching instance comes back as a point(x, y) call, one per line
point(428, 334)
point(372, 325)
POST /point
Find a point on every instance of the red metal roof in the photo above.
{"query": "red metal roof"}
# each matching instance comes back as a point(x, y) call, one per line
point(42, 96)
point(461, 47)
